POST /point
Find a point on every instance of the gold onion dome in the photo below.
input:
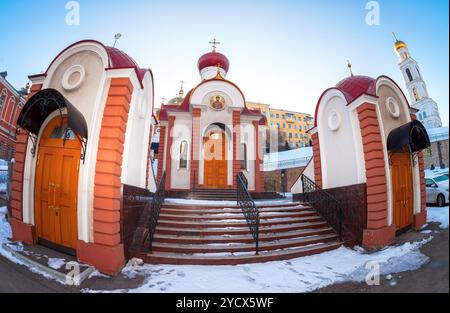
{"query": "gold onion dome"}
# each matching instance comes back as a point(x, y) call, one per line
point(400, 44)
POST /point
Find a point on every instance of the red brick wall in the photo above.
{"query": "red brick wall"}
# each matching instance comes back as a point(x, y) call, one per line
point(18, 168)
point(317, 161)
point(9, 113)
point(169, 152)
point(162, 145)
point(259, 174)
point(195, 149)
point(375, 167)
point(236, 145)
point(107, 190)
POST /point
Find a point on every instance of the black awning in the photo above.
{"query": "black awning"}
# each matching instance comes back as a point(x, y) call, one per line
point(42, 104)
point(412, 135)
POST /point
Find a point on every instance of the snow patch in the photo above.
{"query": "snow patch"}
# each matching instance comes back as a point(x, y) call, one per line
point(298, 275)
point(56, 263)
point(438, 215)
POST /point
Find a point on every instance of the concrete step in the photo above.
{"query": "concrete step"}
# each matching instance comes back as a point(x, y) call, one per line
point(236, 223)
point(241, 258)
point(223, 216)
point(241, 247)
point(183, 231)
point(165, 238)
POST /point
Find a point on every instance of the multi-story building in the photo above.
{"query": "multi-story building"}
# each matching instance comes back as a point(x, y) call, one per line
point(292, 126)
point(11, 103)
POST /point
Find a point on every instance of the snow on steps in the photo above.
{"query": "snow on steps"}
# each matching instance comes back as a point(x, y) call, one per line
point(219, 235)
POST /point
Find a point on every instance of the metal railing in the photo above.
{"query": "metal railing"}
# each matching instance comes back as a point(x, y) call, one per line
point(155, 209)
point(248, 207)
point(285, 164)
point(324, 203)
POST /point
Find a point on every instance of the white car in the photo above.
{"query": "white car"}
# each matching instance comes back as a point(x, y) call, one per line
point(437, 190)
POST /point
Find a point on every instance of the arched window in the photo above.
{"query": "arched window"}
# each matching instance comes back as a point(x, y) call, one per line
point(416, 94)
point(12, 105)
point(183, 155)
point(2, 99)
point(424, 114)
point(243, 156)
point(420, 116)
point(408, 72)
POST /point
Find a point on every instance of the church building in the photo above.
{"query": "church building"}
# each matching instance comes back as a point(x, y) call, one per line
point(418, 93)
point(209, 136)
point(83, 134)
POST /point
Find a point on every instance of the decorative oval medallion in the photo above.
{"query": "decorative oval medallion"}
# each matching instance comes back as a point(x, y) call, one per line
point(73, 77)
point(393, 107)
point(334, 120)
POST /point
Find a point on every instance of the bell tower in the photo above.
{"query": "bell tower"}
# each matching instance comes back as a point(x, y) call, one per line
point(428, 110)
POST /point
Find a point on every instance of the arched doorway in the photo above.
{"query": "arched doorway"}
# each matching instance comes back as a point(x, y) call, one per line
point(56, 186)
point(402, 189)
point(215, 161)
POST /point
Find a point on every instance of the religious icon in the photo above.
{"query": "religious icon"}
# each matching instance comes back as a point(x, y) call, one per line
point(218, 103)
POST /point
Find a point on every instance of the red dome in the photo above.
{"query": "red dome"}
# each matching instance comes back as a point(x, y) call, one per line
point(354, 86)
point(213, 59)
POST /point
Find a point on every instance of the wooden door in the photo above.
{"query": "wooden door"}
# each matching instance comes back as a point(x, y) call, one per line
point(402, 190)
point(56, 185)
point(215, 164)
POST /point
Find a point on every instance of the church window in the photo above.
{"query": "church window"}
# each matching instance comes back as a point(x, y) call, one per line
point(416, 94)
point(243, 156)
point(2, 99)
point(408, 72)
point(424, 115)
point(183, 154)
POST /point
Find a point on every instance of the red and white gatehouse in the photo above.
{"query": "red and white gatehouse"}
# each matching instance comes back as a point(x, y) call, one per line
point(83, 134)
point(367, 144)
point(210, 135)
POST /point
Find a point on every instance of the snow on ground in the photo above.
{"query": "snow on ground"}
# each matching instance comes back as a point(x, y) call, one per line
point(435, 173)
point(299, 275)
point(56, 263)
point(438, 215)
point(5, 235)
point(224, 203)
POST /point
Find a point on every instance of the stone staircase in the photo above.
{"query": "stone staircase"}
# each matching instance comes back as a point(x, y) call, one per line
point(213, 194)
point(219, 235)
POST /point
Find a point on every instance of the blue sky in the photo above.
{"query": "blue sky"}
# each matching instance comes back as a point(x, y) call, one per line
point(284, 53)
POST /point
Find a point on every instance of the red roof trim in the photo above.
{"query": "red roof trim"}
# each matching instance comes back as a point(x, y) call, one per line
point(117, 59)
point(354, 87)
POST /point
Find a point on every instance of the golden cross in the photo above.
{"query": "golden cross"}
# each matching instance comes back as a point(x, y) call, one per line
point(214, 44)
point(349, 65)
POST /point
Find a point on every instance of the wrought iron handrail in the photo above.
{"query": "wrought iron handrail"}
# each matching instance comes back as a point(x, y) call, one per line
point(324, 203)
point(155, 209)
point(248, 206)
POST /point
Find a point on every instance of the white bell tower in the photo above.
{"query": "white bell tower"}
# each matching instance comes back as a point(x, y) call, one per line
point(428, 110)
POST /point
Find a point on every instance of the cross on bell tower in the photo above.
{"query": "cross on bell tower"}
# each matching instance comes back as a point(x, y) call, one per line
point(214, 44)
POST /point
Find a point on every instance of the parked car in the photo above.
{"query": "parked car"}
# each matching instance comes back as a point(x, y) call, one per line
point(437, 190)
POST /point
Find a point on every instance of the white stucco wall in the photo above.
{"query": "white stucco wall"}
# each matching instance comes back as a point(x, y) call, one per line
point(182, 131)
point(337, 142)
